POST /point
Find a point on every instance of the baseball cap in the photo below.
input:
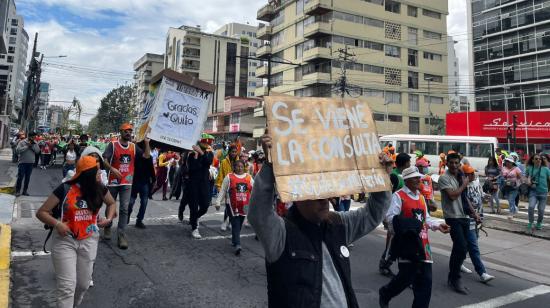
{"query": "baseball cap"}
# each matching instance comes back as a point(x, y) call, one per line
point(85, 163)
point(468, 169)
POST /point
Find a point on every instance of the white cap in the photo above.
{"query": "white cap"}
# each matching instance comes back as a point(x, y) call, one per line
point(411, 172)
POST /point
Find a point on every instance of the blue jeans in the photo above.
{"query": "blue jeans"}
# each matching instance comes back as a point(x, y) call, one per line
point(473, 250)
point(143, 190)
point(537, 200)
point(24, 170)
point(344, 205)
point(236, 225)
point(66, 169)
point(512, 194)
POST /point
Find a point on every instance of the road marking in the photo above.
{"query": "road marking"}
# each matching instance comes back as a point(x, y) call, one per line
point(511, 298)
point(219, 237)
point(19, 254)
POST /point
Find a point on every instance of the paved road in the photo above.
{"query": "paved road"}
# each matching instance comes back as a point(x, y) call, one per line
point(164, 267)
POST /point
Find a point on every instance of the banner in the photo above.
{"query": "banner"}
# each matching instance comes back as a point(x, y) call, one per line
point(323, 147)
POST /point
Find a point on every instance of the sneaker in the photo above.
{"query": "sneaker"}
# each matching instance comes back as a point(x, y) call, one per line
point(238, 250)
point(25, 193)
point(223, 227)
point(91, 283)
point(530, 227)
point(464, 269)
point(457, 286)
point(538, 226)
point(122, 242)
point(107, 233)
point(195, 234)
point(486, 278)
point(140, 225)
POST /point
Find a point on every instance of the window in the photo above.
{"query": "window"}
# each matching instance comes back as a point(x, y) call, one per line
point(393, 6)
point(235, 118)
point(414, 125)
point(373, 93)
point(299, 51)
point(432, 56)
point(432, 35)
point(413, 57)
point(13, 39)
point(413, 80)
point(428, 148)
point(433, 78)
point(379, 117)
point(393, 51)
point(392, 97)
point(480, 150)
point(445, 147)
point(299, 7)
point(373, 45)
point(402, 147)
point(10, 59)
point(414, 103)
point(412, 11)
point(13, 31)
point(379, 2)
point(431, 13)
point(299, 29)
point(11, 49)
point(433, 99)
point(395, 118)
point(413, 36)
point(14, 22)
point(373, 69)
point(373, 22)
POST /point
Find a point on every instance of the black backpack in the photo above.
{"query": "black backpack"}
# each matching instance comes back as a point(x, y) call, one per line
point(56, 213)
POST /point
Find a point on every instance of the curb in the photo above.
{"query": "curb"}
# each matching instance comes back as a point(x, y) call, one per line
point(5, 253)
point(10, 187)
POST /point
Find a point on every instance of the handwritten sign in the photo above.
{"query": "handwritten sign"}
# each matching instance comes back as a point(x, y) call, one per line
point(323, 147)
point(178, 114)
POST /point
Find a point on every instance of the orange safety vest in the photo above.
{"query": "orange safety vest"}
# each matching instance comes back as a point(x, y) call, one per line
point(123, 159)
point(76, 214)
point(426, 187)
point(411, 208)
point(239, 194)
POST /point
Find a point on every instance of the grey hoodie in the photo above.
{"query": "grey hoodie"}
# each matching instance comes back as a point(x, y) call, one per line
point(26, 151)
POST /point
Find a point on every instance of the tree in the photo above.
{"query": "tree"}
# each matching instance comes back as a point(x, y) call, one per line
point(116, 108)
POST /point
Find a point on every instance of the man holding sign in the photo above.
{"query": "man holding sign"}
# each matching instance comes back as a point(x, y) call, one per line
point(307, 256)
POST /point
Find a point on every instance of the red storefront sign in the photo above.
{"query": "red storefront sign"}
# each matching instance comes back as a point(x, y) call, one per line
point(534, 125)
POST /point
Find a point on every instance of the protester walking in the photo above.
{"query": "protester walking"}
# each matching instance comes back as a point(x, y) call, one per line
point(307, 255)
point(46, 153)
point(235, 191)
point(143, 177)
point(26, 151)
point(162, 175)
point(456, 217)
point(119, 158)
point(225, 169)
point(512, 180)
point(492, 174)
point(200, 194)
point(71, 154)
point(74, 244)
point(409, 220)
point(538, 178)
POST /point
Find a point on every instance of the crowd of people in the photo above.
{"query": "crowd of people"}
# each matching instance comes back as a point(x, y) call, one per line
point(307, 246)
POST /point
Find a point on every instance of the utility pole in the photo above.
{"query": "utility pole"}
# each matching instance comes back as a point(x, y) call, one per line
point(33, 65)
point(345, 57)
point(429, 79)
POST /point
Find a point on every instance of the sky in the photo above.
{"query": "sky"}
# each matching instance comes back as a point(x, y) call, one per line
point(101, 39)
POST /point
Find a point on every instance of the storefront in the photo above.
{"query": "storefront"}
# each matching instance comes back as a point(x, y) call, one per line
point(532, 127)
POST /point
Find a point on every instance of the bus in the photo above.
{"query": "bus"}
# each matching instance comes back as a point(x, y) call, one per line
point(476, 150)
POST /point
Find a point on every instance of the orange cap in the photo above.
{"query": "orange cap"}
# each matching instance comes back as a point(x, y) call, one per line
point(126, 126)
point(468, 169)
point(84, 163)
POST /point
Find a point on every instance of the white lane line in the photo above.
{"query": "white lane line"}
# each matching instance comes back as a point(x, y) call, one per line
point(219, 237)
point(19, 254)
point(511, 298)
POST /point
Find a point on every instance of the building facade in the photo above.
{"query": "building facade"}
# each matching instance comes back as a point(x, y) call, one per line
point(510, 48)
point(399, 53)
point(217, 59)
point(237, 30)
point(145, 68)
point(453, 75)
point(41, 119)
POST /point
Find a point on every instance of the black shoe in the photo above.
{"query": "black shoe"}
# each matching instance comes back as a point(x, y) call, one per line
point(238, 251)
point(25, 193)
point(180, 216)
point(457, 286)
point(382, 300)
point(384, 268)
point(140, 225)
point(164, 199)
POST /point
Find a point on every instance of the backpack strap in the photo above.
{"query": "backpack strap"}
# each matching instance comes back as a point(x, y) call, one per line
point(66, 188)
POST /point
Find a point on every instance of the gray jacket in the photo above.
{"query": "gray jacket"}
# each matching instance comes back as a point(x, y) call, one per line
point(26, 151)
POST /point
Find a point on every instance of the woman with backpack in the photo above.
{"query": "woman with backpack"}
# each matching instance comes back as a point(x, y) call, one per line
point(72, 211)
point(538, 177)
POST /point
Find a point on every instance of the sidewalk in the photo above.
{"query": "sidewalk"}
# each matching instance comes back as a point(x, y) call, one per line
point(8, 171)
point(8, 175)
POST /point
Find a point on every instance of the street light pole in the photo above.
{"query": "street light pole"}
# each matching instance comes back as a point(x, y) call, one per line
point(429, 79)
point(507, 112)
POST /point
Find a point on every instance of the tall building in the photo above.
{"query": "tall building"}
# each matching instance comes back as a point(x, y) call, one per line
point(399, 52)
point(42, 105)
point(510, 48)
point(145, 68)
point(220, 60)
point(237, 30)
point(453, 75)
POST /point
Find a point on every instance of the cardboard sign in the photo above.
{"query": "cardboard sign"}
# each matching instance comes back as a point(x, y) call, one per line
point(323, 148)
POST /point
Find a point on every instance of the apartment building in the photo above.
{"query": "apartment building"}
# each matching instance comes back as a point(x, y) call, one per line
point(399, 50)
point(237, 30)
point(145, 68)
point(217, 59)
point(453, 75)
point(510, 48)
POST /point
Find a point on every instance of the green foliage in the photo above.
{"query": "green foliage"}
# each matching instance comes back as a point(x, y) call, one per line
point(116, 108)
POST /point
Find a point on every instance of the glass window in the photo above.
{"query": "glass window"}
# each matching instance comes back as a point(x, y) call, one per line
point(445, 147)
point(544, 66)
point(480, 150)
point(528, 68)
point(543, 36)
point(527, 41)
point(412, 11)
point(373, 22)
point(413, 57)
point(373, 45)
point(493, 21)
point(414, 125)
point(13, 31)
point(432, 56)
point(392, 97)
point(525, 13)
point(496, 77)
point(395, 118)
point(510, 45)
point(373, 93)
point(432, 35)
point(495, 48)
point(379, 117)
point(413, 80)
point(428, 148)
point(299, 7)
point(414, 103)
point(431, 13)
point(413, 36)
point(393, 6)
point(299, 29)
point(393, 51)
point(379, 2)
point(433, 99)
point(433, 78)
point(402, 147)
point(373, 69)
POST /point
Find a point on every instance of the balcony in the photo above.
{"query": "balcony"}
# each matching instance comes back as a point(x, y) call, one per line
point(316, 78)
point(189, 67)
point(264, 32)
point(261, 71)
point(260, 91)
point(317, 7)
point(264, 51)
point(317, 54)
point(266, 13)
point(317, 29)
point(189, 55)
point(190, 42)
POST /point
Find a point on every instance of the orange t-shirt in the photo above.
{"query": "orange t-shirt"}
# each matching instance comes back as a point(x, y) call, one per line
point(81, 220)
